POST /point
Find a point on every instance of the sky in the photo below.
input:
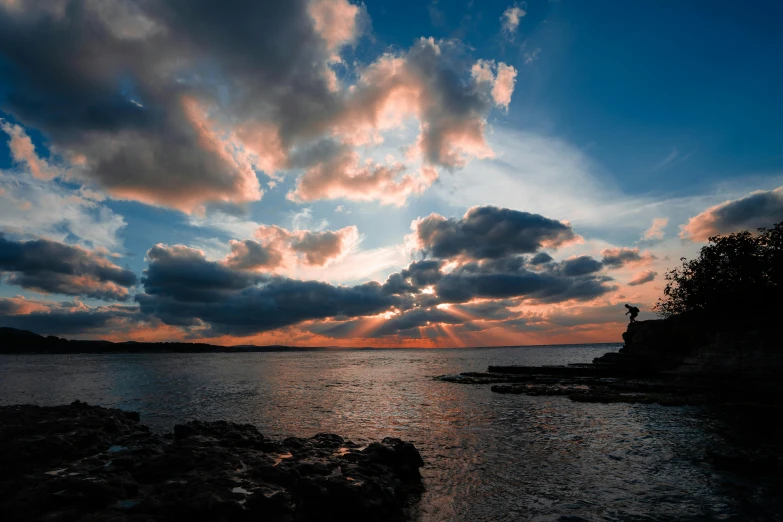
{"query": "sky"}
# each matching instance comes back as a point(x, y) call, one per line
point(390, 174)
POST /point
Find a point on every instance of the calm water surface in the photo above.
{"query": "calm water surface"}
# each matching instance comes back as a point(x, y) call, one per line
point(488, 456)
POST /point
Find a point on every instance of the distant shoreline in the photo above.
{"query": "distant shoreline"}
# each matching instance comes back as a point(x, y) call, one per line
point(23, 342)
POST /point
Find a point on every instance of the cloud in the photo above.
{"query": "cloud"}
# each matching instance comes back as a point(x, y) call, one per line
point(281, 248)
point(581, 265)
point(501, 82)
point(50, 318)
point(623, 256)
point(56, 212)
point(318, 248)
point(465, 284)
point(655, 232)
point(343, 176)
point(23, 151)
point(49, 267)
point(488, 232)
point(184, 104)
point(760, 209)
point(336, 21)
point(532, 56)
point(642, 278)
point(252, 255)
point(426, 83)
point(182, 288)
point(674, 158)
point(541, 258)
point(510, 20)
point(240, 295)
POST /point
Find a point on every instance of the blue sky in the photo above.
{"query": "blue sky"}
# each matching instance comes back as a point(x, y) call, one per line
point(643, 126)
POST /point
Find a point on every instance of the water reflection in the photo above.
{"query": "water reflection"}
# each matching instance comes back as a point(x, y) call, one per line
point(488, 456)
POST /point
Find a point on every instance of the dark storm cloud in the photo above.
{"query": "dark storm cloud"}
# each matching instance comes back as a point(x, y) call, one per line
point(461, 286)
point(761, 209)
point(489, 232)
point(50, 267)
point(184, 274)
point(541, 258)
point(181, 287)
point(417, 276)
point(581, 265)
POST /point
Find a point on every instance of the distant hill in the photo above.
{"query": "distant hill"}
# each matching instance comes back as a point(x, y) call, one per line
point(13, 340)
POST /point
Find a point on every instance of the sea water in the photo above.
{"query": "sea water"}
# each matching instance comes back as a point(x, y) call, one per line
point(488, 456)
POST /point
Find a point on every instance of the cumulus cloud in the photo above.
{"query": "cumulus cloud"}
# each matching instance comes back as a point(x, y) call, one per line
point(511, 18)
point(252, 255)
point(760, 209)
point(488, 232)
point(425, 83)
point(318, 248)
point(183, 104)
point(49, 267)
point(623, 256)
point(642, 277)
point(280, 248)
point(343, 176)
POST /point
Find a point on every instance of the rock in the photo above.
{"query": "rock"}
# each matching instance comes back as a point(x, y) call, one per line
point(82, 462)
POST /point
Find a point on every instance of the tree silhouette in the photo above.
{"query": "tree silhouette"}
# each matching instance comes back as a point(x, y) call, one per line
point(735, 276)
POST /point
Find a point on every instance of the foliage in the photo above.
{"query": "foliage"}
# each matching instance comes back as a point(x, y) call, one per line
point(735, 275)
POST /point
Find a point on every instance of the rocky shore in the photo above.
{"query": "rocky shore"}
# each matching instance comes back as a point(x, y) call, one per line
point(86, 463)
point(668, 362)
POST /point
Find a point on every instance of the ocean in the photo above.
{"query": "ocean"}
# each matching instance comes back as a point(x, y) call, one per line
point(488, 456)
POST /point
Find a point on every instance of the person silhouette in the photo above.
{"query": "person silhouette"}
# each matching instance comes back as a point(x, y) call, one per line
point(633, 311)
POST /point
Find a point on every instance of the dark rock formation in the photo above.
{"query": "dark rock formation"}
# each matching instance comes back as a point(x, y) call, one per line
point(672, 362)
point(87, 463)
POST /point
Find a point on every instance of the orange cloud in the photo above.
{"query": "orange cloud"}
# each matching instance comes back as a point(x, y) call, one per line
point(504, 85)
point(345, 177)
point(759, 209)
point(282, 249)
point(656, 229)
point(335, 21)
point(23, 151)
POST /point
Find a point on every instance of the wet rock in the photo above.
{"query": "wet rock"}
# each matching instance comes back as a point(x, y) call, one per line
point(82, 462)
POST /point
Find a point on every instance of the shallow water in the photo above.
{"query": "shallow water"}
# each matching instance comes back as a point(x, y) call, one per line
point(488, 456)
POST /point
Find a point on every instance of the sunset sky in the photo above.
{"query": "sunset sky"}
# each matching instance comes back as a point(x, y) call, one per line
point(388, 173)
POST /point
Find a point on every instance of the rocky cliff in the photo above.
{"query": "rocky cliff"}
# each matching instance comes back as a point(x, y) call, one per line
point(680, 346)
